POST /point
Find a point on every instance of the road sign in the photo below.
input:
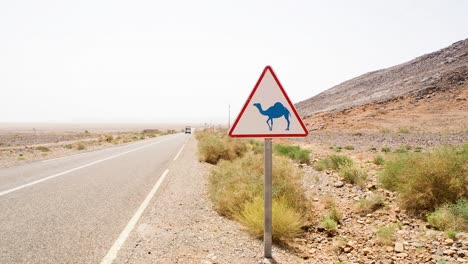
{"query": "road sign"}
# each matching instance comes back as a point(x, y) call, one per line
point(268, 112)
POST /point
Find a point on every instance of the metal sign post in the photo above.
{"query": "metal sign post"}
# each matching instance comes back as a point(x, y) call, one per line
point(267, 228)
point(267, 101)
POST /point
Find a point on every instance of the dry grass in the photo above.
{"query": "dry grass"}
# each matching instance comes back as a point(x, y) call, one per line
point(214, 147)
point(353, 174)
point(334, 162)
point(286, 221)
point(385, 235)
point(237, 186)
point(371, 204)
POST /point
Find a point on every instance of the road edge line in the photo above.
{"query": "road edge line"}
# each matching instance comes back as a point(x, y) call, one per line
point(112, 254)
point(2, 193)
point(180, 151)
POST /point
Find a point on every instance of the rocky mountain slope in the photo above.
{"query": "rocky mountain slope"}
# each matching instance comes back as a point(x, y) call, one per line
point(431, 86)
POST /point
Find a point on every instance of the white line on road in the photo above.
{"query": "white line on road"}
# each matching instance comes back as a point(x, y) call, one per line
point(75, 169)
point(112, 254)
point(178, 153)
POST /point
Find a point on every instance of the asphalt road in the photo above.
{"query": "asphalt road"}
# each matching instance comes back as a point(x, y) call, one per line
point(74, 209)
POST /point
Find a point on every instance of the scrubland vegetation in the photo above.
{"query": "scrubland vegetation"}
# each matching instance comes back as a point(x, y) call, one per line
point(433, 183)
point(236, 183)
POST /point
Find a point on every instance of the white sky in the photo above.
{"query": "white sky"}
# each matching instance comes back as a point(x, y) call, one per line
point(186, 61)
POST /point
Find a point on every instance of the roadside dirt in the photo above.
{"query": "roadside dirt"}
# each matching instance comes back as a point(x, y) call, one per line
point(182, 226)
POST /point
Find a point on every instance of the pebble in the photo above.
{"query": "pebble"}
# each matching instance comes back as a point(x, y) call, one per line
point(399, 247)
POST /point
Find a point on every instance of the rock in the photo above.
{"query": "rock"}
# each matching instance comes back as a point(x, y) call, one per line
point(402, 255)
point(399, 247)
point(339, 184)
point(417, 244)
point(366, 251)
point(347, 249)
point(449, 242)
point(439, 253)
point(461, 253)
point(449, 252)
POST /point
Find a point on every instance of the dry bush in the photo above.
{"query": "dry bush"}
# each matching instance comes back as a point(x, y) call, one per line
point(353, 174)
point(334, 162)
point(213, 147)
point(385, 235)
point(232, 184)
point(286, 221)
point(451, 217)
point(426, 181)
point(80, 146)
point(371, 204)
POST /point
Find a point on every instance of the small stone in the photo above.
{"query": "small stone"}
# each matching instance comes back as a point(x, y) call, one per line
point(347, 249)
point(402, 255)
point(449, 242)
point(366, 251)
point(339, 184)
point(417, 244)
point(461, 253)
point(399, 247)
point(439, 253)
point(449, 252)
point(389, 249)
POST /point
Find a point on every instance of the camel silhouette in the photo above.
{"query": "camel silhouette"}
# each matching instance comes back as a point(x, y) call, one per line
point(275, 111)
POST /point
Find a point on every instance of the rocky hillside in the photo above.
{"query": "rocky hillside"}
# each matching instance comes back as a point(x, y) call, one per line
point(442, 71)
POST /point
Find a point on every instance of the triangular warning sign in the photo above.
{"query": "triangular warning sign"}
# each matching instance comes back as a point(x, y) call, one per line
point(268, 112)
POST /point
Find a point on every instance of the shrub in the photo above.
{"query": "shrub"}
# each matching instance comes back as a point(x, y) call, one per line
point(378, 160)
point(385, 130)
point(386, 149)
point(232, 184)
point(286, 222)
point(329, 224)
point(373, 149)
point(460, 208)
point(335, 214)
point(213, 148)
point(68, 146)
point(43, 149)
point(385, 235)
point(80, 146)
point(328, 201)
point(371, 204)
point(352, 174)
point(293, 152)
point(403, 131)
point(450, 233)
point(337, 148)
point(450, 216)
point(109, 138)
point(427, 180)
point(349, 147)
point(333, 162)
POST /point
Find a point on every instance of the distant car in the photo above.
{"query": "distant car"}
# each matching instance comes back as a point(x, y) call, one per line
point(188, 130)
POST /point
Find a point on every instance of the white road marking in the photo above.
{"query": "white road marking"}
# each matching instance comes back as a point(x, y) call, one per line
point(180, 151)
point(75, 169)
point(112, 254)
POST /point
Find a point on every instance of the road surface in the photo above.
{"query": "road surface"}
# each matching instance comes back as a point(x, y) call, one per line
point(80, 208)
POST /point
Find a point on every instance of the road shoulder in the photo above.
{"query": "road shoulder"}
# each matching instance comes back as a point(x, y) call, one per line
point(180, 226)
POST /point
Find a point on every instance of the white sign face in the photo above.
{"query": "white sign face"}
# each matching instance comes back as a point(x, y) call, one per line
point(268, 112)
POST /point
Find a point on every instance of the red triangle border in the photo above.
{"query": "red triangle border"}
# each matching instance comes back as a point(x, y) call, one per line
point(231, 130)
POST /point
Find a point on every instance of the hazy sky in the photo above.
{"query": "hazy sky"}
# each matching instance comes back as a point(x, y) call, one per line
point(186, 61)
